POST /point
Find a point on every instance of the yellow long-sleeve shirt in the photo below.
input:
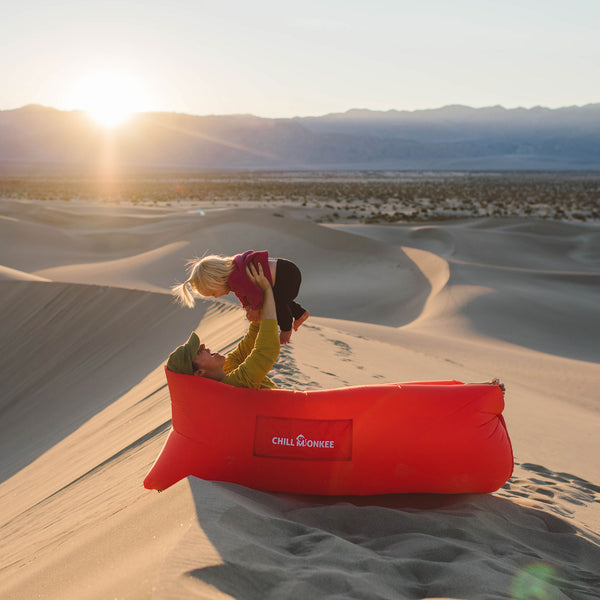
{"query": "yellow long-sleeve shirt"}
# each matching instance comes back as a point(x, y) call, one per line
point(247, 366)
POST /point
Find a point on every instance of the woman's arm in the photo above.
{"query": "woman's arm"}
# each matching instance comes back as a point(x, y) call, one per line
point(247, 344)
point(259, 278)
point(236, 357)
point(253, 368)
point(252, 372)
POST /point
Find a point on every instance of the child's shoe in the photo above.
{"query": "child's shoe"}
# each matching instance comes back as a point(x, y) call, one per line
point(301, 319)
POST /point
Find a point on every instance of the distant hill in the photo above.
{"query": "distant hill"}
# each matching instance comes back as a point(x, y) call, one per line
point(40, 139)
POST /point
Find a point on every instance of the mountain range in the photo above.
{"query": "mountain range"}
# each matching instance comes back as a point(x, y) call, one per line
point(37, 139)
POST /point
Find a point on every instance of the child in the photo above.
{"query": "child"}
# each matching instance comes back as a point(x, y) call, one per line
point(218, 275)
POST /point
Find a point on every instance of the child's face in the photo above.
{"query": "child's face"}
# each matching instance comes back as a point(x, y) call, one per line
point(220, 291)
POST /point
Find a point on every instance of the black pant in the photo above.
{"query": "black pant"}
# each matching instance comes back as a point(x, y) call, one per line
point(287, 285)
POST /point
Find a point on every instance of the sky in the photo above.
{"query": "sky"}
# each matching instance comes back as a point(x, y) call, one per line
point(282, 59)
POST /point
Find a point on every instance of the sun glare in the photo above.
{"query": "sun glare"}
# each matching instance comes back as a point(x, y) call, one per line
point(110, 97)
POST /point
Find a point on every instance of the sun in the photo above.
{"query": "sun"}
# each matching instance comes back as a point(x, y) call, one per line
point(110, 97)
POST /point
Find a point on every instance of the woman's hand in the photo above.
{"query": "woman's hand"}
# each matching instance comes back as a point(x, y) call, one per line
point(253, 314)
point(257, 276)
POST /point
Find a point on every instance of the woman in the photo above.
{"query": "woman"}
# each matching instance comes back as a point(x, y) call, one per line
point(249, 364)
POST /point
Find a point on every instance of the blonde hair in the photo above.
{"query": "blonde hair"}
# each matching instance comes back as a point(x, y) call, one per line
point(205, 275)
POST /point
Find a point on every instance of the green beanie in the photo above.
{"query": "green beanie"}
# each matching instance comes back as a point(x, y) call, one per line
point(181, 358)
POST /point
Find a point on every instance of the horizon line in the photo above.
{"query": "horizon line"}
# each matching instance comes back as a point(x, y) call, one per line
point(313, 116)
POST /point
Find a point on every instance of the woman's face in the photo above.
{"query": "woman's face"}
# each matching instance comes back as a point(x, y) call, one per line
point(208, 361)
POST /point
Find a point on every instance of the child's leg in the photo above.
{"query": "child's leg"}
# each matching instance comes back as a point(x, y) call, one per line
point(287, 285)
point(304, 314)
point(297, 310)
point(284, 316)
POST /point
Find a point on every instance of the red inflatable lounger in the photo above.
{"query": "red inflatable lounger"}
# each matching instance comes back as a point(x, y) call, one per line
point(441, 437)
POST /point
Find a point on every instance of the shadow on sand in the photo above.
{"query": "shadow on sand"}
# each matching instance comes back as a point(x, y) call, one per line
point(388, 547)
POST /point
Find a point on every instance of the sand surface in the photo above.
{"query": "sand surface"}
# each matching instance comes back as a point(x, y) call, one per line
point(87, 322)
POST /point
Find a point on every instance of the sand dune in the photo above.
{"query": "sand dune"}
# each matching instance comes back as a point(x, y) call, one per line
point(493, 269)
point(87, 323)
point(6, 273)
point(151, 256)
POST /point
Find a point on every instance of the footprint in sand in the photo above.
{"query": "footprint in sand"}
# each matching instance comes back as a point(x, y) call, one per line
point(286, 374)
point(342, 349)
point(554, 490)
